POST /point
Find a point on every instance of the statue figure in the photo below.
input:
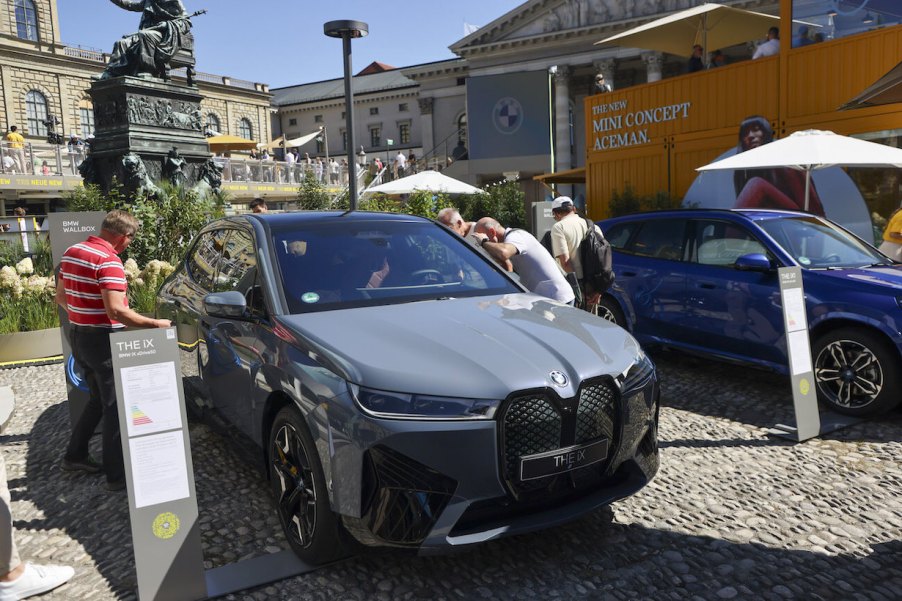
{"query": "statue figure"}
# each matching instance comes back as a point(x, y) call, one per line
point(135, 177)
point(210, 177)
point(88, 171)
point(164, 30)
point(174, 167)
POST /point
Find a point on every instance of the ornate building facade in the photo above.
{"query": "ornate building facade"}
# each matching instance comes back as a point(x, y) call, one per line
point(41, 77)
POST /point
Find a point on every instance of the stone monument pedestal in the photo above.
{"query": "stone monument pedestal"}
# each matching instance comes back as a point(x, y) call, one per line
point(147, 117)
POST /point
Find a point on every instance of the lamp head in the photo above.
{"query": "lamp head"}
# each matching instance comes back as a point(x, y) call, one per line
point(351, 29)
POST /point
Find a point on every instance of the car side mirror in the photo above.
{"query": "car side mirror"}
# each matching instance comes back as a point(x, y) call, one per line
point(753, 262)
point(227, 305)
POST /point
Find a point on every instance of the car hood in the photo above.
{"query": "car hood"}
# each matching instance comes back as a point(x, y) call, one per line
point(485, 347)
point(885, 276)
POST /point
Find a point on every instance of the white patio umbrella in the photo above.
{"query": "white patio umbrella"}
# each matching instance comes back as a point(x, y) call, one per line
point(710, 25)
point(432, 181)
point(809, 150)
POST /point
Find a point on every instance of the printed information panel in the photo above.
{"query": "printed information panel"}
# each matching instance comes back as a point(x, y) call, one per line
point(157, 451)
point(798, 348)
point(67, 229)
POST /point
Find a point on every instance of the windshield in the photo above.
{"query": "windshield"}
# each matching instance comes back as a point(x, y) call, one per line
point(361, 264)
point(816, 244)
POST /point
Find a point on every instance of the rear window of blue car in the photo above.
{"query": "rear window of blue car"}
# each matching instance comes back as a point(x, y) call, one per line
point(358, 264)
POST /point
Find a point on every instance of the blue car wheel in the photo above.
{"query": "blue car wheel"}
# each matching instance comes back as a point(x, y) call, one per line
point(857, 372)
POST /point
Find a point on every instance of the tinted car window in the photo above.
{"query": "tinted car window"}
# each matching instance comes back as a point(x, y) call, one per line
point(364, 264)
point(203, 261)
point(619, 234)
point(660, 238)
point(815, 243)
point(722, 242)
point(238, 265)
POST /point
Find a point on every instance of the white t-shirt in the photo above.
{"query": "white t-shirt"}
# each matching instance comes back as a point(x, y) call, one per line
point(401, 160)
point(566, 235)
point(538, 270)
point(768, 48)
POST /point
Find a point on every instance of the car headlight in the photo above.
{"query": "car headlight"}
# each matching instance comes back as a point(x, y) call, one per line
point(398, 405)
point(638, 372)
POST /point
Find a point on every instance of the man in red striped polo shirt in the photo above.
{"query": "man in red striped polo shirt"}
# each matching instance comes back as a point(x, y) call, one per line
point(91, 287)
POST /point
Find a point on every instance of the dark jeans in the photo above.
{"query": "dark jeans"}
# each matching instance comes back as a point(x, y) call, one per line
point(91, 350)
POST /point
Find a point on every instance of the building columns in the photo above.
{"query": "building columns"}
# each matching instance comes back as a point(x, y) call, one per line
point(654, 61)
point(563, 157)
point(428, 135)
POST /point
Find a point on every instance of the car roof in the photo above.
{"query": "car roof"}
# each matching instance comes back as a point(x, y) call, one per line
point(750, 214)
point(324, 217)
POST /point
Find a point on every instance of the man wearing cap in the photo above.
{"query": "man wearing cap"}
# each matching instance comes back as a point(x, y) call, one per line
point(566, 234)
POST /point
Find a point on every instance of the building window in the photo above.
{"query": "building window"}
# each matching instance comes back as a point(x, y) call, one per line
point(374, 110)
point(86, 118)
point(213, 126)
point(320, 146)
point(462, 129)
point(344, 140)
point(245, 129)
point(375, 136)
point(36, 113)
point(26, 20)
point(404, 133)
point(402, 108)
point(319, 118)
point(343, 114)
point(292, 122)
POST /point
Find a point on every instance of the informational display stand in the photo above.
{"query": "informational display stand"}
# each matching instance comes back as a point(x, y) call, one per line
point(67, 229)
point(160, 474)
point(809, 422)
point(162, 501)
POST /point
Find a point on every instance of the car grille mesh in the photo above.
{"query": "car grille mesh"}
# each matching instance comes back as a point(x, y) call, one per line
point(595, 413)
point(535, 423)
point(531, 425)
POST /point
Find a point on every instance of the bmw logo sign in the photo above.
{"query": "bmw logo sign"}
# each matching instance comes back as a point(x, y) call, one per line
point(507, 115)
point(559, 379)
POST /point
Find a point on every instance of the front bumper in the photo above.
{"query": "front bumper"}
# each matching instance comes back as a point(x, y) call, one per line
point(433, 485)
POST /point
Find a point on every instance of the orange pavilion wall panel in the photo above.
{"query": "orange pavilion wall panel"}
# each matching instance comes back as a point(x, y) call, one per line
point(642, 169)
point(692, 151)
point(822, 77)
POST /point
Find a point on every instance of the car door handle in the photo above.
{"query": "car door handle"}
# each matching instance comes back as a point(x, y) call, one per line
point(707, 286)
point(627, 274)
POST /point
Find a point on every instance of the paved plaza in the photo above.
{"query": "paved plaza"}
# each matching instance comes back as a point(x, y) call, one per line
point(733, 513)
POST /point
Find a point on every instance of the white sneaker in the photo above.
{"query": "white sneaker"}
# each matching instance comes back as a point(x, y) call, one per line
point(34, 581)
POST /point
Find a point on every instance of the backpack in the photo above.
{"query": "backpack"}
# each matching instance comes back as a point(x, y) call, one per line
point(595, 256)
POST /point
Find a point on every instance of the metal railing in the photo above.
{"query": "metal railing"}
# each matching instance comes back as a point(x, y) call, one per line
point(40, 159)
point(89, 54)
point(442, 154)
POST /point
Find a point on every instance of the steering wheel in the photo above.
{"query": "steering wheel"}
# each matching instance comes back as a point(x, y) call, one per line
point(424, 277)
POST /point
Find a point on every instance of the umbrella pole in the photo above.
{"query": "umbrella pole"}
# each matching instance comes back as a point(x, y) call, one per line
point(807, 187)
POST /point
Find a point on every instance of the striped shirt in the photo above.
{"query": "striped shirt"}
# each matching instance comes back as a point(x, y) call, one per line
point(85, 269)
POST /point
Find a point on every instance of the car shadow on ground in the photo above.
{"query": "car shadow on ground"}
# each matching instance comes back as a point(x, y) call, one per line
point(743, 394)
point(599, 558)
point(236, 513)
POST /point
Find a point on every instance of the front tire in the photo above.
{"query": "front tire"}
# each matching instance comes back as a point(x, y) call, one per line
point(857, 372)
point(299, 491)
point(608, 309)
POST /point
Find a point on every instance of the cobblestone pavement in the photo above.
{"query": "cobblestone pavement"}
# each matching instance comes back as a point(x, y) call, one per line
point(733, 514)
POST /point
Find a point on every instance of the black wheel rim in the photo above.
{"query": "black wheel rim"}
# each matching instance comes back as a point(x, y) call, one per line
point(849, 374)
point(605, 313)
point(294, 486)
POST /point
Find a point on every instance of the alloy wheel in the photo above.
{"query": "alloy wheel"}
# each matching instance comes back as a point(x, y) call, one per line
point(295, 490)
point(849, 374)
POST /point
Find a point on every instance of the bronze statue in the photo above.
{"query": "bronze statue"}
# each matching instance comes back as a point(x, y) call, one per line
point(165, 30)
point(174, 167)
point(135, 177)
point(209, 178)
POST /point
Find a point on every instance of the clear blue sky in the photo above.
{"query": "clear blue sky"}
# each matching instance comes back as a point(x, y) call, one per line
point(281, 42)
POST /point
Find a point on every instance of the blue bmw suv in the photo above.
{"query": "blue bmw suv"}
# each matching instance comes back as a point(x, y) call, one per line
point(705, 281)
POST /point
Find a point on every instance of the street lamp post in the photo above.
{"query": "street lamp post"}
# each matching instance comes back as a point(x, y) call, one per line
point(347, 30)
